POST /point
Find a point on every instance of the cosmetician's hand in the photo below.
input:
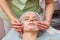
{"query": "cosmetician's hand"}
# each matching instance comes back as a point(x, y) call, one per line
point(17, 25)
point(43, 25)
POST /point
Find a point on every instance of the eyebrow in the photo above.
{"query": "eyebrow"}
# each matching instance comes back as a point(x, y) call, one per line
point(35, 16)
point(26, 16)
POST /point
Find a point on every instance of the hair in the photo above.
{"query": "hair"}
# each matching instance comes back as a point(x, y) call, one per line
point(20, 19)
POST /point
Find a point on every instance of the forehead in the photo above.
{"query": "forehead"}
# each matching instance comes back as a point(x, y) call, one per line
point(30, 15)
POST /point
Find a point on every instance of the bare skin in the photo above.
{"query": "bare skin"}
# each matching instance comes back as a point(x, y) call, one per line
point(29, 34)
point(18, 26)
point(15, 23)
point(48, 14)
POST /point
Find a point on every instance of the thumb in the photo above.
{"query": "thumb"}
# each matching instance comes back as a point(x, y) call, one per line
point(17, 21)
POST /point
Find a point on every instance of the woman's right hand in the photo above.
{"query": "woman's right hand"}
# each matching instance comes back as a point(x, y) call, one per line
point(17, 25)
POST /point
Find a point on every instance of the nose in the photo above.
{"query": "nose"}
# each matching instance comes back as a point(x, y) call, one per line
point(31, 20)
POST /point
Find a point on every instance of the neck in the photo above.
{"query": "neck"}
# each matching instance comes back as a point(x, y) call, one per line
point(29, 35)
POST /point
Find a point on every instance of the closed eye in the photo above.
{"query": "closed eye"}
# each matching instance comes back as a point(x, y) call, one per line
point(35, 19)
point(26, 19)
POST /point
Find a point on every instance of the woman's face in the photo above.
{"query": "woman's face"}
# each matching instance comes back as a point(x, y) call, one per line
point(30, 18)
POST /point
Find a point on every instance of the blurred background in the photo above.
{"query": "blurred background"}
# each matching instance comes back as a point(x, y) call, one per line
point(55, 23)
point(56, 17)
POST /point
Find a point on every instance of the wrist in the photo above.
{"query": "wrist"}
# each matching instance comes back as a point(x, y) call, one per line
point(11, 18)
point(48, 21)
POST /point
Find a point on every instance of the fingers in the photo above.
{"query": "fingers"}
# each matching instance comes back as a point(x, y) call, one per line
point(18, 28)
point(17, 24)
point(43, 26)
point(43, 23)
point(16, 21)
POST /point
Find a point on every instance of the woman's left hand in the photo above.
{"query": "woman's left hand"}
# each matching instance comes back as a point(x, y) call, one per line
point(43, 25)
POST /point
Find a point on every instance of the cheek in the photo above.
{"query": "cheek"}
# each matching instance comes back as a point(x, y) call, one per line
point(25, 23)
point(36, 22)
